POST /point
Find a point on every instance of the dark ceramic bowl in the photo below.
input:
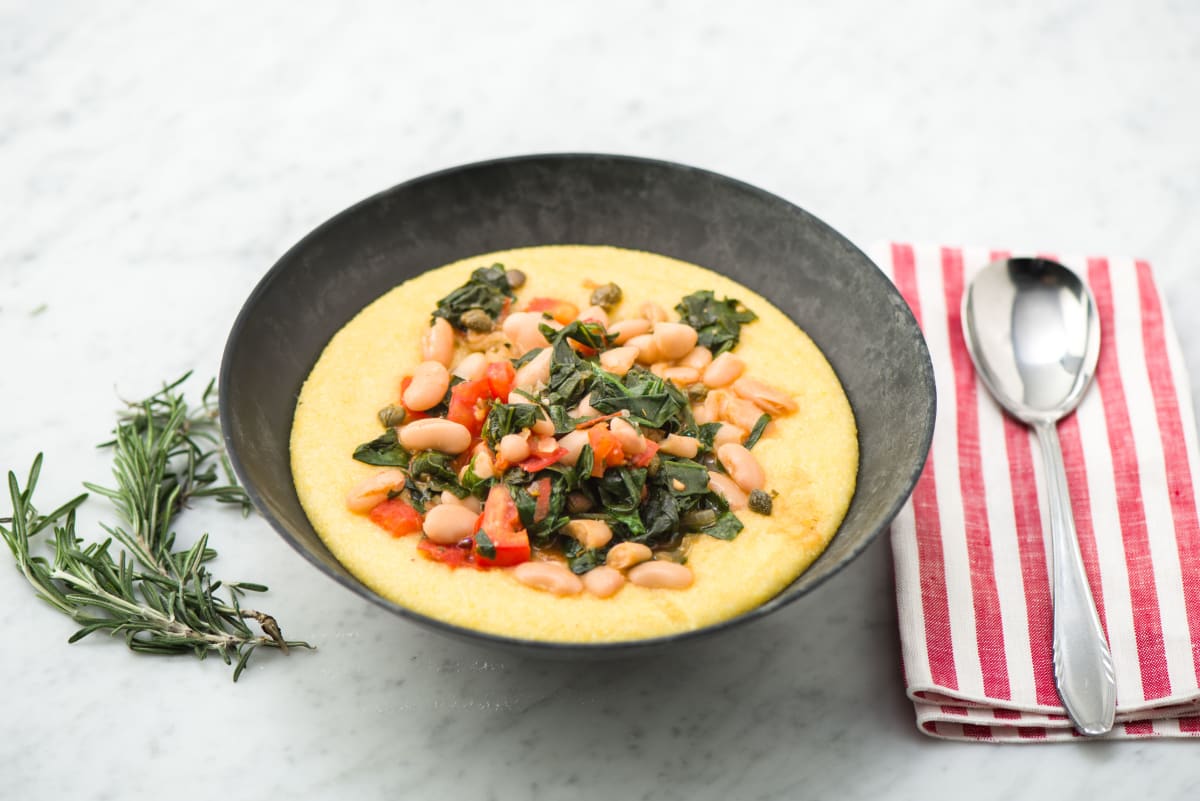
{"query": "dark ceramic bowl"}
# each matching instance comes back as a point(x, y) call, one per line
point(806, 268)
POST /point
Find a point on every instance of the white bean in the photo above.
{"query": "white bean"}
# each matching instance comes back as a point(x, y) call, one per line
point(682, 376)
point(513, 448)
point(448, 523)
point(632, 442)
point(742, 467)
point(625, 555)
point(374, 489)
point(429, 384)
point(625, 330)
point(766, 397)
point(661, 575)
point(550, 577)
point(535, 372)
point(618, 360)
point(471, 367)
point(674, 340)
point(437, 343)
point(676, 445)
point(522, 330)
point(435, 434)
point(647, 348)
point(589, 533)
point(699, 358)
point(652, 312)
point(729, 433)
point(603, 582)
point(469, 502)
point(728, 489)
point(724, 370)
point(573, 442)
point(595, 314)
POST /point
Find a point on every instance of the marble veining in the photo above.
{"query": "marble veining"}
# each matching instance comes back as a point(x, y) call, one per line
point(156, 160)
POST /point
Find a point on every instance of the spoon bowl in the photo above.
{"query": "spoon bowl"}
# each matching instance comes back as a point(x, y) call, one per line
point(1032, 330)
point(1034, 336)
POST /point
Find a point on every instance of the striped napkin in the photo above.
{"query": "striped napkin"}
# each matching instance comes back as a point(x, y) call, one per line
point(971, 546)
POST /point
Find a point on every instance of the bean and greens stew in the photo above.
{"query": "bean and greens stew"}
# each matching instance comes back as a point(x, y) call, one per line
point(578, 450)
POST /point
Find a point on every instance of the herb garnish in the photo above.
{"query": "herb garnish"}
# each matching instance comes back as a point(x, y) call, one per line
point(160, 599)
point(718, 321)
point(486, 289)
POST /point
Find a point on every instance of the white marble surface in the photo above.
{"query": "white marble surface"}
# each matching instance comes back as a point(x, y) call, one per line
point(155, 159)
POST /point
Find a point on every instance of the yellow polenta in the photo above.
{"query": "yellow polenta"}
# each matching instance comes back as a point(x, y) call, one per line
point(810, 458)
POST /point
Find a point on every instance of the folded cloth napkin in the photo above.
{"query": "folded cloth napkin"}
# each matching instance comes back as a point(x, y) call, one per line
point(971, 545)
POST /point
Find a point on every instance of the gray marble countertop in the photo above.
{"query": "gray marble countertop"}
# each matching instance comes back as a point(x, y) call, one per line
point(157, 159)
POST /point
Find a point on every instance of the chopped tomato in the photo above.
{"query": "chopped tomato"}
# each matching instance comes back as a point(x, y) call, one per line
point(540, 461)
point(563, 311)
point(500, 377)
point(469, 404)
point(606, 450)
point(502, 524)
point(447, 554)
point(397, 517)
point(541, 490)
point(643, 458)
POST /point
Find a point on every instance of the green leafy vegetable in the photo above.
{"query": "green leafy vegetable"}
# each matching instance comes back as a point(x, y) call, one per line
point(718, 321)
point(509, 418)
point(432, 471)
point(486, 289)
point(760, 425)
point(484, 544)
point(385, 450)
point(727, 527)
point(650, 400)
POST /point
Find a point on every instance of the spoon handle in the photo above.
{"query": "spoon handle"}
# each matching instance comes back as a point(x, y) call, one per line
point(1083, 666)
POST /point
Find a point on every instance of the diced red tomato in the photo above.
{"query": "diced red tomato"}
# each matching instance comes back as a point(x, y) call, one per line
point(469, 404)
point(500, 377)
point(606, 450)
point(446, 554)
point(541, 490)
point(540, 461)
point(643, 458)
point(563, 311)
point(502, 524)
point(397, 517)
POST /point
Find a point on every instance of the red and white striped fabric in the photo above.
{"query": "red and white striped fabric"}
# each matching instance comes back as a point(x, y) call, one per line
point(971, 548)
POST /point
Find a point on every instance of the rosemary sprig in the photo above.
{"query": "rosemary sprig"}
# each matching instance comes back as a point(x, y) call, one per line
point(162, 600)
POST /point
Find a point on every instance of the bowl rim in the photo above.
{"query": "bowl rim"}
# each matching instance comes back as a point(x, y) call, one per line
point(550, 647)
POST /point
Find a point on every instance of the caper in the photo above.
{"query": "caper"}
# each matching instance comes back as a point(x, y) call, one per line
point(697, 392)
point(606, 295)
point(760, 502)
point(477, 320)
point(698, 519)
point(577, 502)
point(516, 278)
point(654, 466)
point(392, 415)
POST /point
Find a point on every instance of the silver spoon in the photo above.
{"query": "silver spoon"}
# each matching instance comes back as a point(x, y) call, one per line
point(1032, 330)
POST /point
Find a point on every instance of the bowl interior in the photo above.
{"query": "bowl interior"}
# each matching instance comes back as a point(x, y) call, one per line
point(806, 268)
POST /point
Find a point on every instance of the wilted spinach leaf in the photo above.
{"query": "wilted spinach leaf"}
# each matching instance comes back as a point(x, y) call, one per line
point(760, 425)
point(486, 289)
point(385, 450)
point(718, 321)
point(509, 418)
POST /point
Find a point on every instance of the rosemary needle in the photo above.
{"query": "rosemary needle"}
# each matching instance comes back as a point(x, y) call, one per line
point(136, 583)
